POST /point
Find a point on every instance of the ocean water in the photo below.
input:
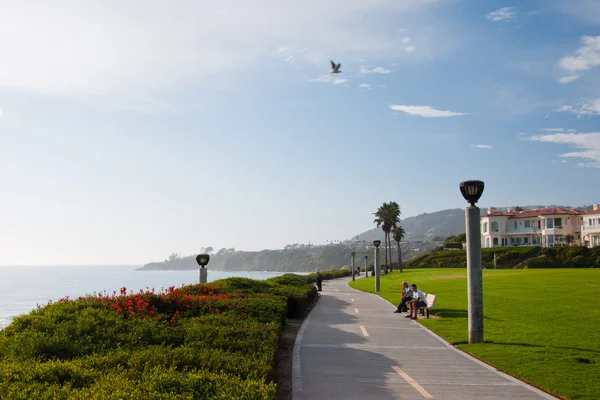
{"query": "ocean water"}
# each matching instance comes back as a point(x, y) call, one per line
point(22, 289)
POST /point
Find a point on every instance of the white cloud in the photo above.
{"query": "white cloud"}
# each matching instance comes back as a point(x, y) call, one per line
point(508, 14)
point(67, 48)
point(586, 56)
point(567, 79)
point(376, 70)
point(504, 14)
point(588, 145)
point(364, 86)
point(482, 146)
point(1, 113)
point(554, 129)
point(329, 79)
point(586, 109)
point(409, 49)
point(565, 108)
point(406, 40)
point(424, 111)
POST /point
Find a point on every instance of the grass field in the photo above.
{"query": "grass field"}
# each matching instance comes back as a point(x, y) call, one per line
point(542, 326)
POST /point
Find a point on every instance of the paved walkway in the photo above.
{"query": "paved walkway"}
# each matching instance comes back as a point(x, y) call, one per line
point(352, 346)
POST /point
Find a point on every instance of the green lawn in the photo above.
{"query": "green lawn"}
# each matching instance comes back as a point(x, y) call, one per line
point(542, 326)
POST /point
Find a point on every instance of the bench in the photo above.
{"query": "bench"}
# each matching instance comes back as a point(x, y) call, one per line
point(430, 304)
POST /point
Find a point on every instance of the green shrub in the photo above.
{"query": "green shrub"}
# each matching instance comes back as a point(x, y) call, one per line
point(453, 245)
point(539, 262)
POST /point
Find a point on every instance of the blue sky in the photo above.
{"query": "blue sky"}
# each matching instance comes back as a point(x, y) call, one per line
point(128, 132)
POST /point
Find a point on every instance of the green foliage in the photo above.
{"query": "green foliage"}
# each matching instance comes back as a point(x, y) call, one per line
point(530, 332)
point(453, 245)
point(512, 257)
point(205, 341)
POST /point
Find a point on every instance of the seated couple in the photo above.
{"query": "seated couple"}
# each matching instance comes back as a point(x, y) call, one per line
point(412, 298)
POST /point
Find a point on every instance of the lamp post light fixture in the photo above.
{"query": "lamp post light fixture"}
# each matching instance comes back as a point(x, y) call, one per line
point(353, 268)
point(366, 271)
point(202, 260)
point(472, 191)
point(376, 243)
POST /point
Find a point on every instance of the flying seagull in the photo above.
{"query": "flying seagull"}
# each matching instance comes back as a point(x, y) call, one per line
point(335, 68)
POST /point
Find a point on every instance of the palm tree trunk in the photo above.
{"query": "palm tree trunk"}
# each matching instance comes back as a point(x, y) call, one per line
point(399, 258)
point(390, 244)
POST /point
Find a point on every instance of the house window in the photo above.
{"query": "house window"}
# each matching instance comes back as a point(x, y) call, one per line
point(549, 223)
point(485, 227)
point(558, 222)
point(495, 226)
point(558, 238)
point(550, 239)
point(539, 224)
point(527, 224)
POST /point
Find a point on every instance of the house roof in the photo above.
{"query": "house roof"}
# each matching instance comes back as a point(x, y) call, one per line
point(535, 213)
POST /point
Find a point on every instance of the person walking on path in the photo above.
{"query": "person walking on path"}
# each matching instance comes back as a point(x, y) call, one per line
point(407, 296)
point(319, 279)
point(418, 300)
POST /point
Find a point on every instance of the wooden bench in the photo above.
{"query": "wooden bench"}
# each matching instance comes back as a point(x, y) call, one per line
point(430, 304)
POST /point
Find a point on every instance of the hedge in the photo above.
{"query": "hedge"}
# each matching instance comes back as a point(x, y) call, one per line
point(205, 341)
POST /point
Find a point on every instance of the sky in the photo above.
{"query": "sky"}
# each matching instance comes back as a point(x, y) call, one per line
point(131, 130)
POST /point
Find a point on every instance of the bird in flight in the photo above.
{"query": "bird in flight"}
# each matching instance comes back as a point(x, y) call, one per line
point(335, 68)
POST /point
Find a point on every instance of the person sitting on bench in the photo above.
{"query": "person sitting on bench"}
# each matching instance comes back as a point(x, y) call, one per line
point(406, 297)
point(419, 300)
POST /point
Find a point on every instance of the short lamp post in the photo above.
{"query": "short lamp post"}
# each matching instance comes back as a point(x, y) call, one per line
point(353, 268)
point(376, 243)
point(202, 260)
point(472, 191)
point(366, 271)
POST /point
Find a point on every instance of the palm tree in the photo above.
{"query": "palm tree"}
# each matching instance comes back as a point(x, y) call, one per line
point(381, 219)
point(387, 216)
point(393, 220)
point(398, 232)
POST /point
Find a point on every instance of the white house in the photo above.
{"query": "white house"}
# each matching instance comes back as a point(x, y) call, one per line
point(546, 227)
point(590, 228)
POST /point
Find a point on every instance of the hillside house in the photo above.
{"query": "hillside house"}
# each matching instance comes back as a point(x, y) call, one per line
point(546, 227)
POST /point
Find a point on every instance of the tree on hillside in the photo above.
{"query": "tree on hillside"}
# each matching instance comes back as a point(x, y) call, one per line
point(174, 256)
point(398, 232)
point(208, 249)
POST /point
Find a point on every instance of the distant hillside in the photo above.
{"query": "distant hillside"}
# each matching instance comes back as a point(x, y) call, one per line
point(294, 258)
point(426, 226)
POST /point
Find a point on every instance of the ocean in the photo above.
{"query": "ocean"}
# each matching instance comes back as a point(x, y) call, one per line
point(23, 288)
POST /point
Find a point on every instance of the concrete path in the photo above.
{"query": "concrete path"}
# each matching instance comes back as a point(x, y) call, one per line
point(352, 346)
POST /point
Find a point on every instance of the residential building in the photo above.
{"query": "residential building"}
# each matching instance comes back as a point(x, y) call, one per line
point(546, 227)
point(590, 228)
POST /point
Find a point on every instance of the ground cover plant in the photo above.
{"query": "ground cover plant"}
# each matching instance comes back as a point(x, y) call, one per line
point(513, 257)
point(540, 325)
point(204, 341)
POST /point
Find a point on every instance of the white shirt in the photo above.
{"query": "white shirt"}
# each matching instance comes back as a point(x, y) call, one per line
point(419, 295)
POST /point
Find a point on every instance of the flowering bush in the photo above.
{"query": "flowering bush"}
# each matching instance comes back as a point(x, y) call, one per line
point(200, 341)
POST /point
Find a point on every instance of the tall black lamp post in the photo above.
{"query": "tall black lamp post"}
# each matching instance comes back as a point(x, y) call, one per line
point(472, 191)
point(376, 243)
point(353, 268)
point(202, 260)
point(366, 271)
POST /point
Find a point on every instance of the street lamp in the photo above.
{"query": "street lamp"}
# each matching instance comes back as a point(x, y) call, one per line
point(202, 260)
point(472, 191)
point(366, 271)
point(353, 253)
point(376, 243)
